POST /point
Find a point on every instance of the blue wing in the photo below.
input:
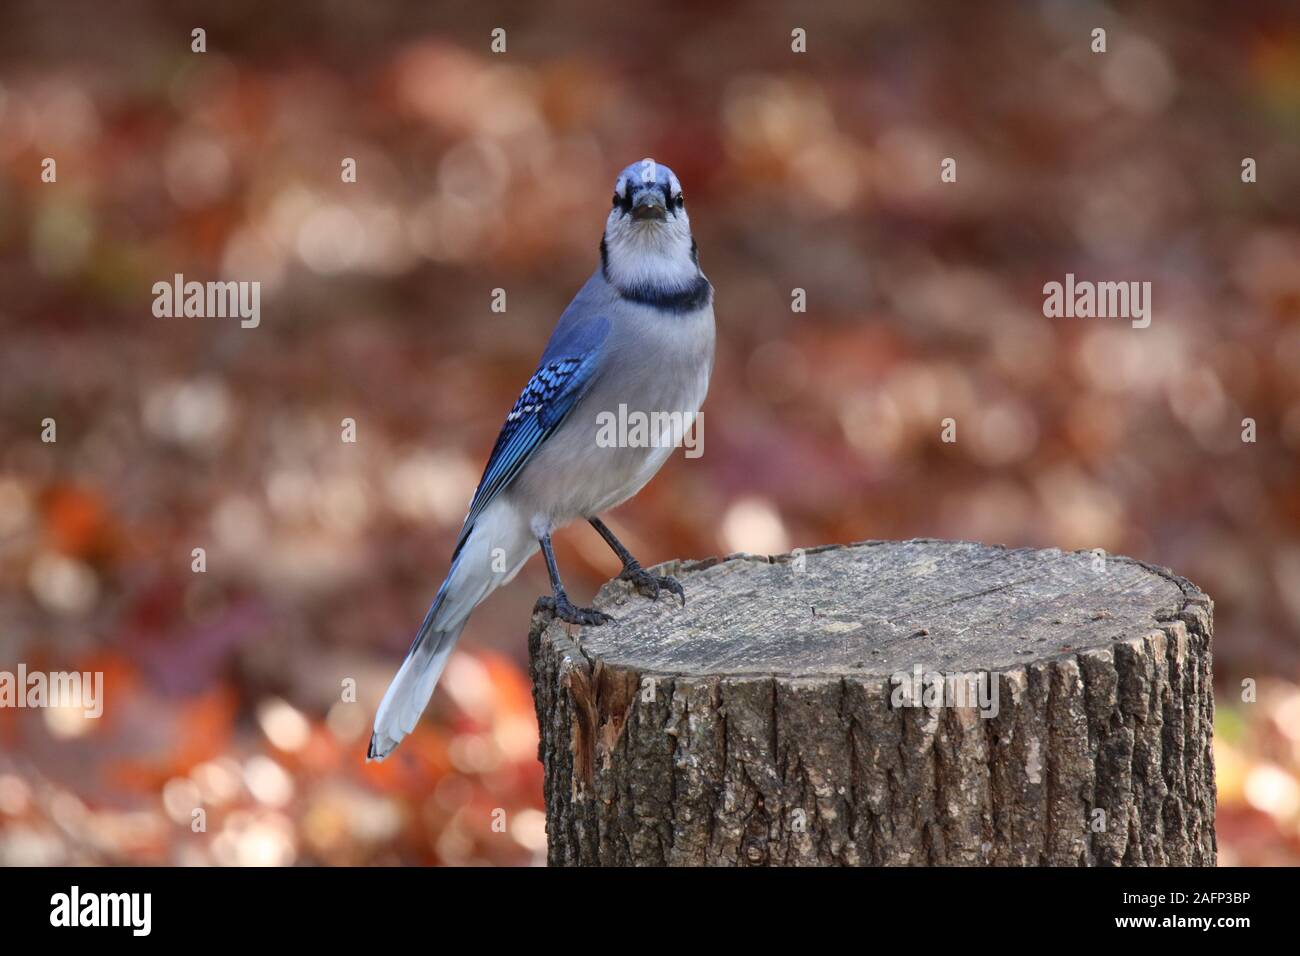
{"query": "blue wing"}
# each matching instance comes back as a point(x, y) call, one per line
point(567, 370)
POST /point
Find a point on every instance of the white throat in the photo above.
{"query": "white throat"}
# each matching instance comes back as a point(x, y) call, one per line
point(653, 255)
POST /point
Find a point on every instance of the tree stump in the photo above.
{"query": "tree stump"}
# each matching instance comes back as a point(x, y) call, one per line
point(806, 709)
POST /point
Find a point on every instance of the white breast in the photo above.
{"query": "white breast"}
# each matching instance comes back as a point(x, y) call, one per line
point(663, 366)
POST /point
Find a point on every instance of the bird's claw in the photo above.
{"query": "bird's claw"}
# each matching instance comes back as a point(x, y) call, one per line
point(566, 610)
point(649, 585)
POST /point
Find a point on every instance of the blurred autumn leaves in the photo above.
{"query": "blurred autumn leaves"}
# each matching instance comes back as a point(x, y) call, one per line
point(819, 172)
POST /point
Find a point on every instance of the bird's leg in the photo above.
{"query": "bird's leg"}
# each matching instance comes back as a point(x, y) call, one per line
point(645, 582)
point(559, 603)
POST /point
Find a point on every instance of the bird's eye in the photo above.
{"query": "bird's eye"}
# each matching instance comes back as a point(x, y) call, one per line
point(624, 200)
point(679, 200)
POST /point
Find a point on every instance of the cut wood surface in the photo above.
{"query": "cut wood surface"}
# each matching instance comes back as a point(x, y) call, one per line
point(916, 702)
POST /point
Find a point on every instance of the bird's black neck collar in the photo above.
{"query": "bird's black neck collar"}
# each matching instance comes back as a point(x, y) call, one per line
point(694, 295)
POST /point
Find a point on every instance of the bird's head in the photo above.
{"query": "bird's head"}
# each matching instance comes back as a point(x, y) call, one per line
point(647, 247)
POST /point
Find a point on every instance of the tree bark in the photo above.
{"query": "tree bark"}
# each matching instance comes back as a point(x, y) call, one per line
point(770, 720)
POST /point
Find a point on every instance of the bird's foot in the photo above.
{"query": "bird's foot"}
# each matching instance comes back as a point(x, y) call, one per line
point(650, 585)
point(566, 610)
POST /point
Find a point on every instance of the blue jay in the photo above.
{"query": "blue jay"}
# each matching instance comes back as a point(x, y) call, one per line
point(637, 340)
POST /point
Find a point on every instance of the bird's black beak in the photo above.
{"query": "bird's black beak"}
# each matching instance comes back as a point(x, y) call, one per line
point(649, 205)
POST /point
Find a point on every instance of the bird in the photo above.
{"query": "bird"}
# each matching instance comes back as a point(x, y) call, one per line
point(638, 339)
